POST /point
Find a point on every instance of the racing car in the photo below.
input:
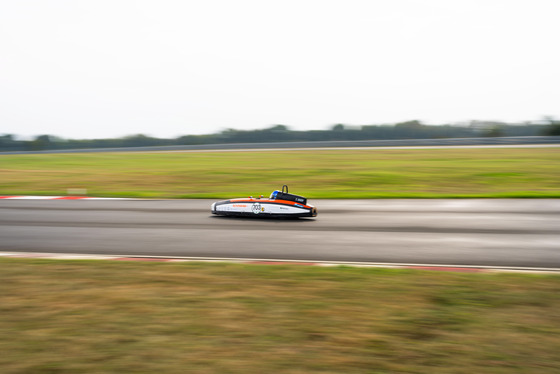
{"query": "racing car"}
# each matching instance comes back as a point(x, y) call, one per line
point(280, 204)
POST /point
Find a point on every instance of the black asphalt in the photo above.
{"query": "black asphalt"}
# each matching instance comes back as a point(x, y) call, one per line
point(493, 232)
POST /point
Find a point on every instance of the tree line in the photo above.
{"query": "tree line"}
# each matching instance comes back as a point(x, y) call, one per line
point(281, 133)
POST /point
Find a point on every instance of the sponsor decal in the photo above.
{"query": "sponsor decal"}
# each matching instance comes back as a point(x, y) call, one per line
point(240, 205)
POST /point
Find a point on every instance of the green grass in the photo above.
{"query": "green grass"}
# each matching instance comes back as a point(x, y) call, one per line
point(138, 317)
point(398, 173)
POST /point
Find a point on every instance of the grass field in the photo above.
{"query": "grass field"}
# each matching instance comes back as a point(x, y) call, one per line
point(497, 172)
point(138, 317)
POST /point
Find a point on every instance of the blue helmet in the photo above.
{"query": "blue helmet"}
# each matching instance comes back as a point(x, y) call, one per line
point(273, 195)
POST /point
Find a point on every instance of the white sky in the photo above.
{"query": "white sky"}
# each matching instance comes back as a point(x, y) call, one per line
point(106, 68)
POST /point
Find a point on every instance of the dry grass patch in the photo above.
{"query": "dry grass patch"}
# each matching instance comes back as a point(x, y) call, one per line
point(114, 317)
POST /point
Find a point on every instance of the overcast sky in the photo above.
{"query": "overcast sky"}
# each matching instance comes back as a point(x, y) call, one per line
point(86, 69)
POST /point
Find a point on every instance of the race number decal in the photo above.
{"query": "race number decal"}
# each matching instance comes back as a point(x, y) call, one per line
point(256, 208)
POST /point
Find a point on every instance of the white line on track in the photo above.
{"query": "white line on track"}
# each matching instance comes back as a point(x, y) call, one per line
point(358, 148)
point(62, 198)
point(445, 267)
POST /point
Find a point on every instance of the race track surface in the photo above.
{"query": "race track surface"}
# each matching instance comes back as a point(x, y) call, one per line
point(493, 232)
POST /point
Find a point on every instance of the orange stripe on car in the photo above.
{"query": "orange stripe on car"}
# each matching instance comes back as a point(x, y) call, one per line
point(268, 201)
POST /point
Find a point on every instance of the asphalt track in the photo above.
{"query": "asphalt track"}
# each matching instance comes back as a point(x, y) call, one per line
point(479, 232)
point(508, 141)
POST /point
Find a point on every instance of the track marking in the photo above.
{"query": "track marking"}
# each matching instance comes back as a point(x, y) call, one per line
point(358, 148)
point(257, 261)
point(63, 198)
